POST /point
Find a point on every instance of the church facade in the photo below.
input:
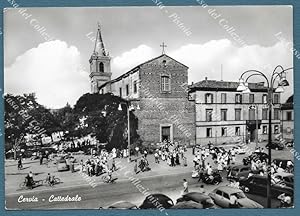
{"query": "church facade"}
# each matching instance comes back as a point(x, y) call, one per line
point(155, 87)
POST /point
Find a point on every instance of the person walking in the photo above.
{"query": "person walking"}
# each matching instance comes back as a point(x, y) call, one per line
point(135, 168)
point(201, 173)
point(145, 153)
point(113, 166)
point(177, 159)
point(172, 160)
point(184, 159)
point(202, 190)
point(233, 201)
point(156, 157)
point(20, 165)
point(185, 187)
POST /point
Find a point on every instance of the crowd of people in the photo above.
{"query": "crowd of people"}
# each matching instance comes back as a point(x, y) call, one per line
point(99, 164)
point(207, 160)
point(222, 159)
point(171, 153)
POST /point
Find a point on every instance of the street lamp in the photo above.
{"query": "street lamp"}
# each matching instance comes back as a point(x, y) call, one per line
point(128, 108)
point(255, 108)
point(243, 86)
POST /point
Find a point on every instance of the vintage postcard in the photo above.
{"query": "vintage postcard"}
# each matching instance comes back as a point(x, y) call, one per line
point(160, 107)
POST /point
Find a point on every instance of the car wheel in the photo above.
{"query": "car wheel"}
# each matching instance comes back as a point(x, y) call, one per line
point(246, 189)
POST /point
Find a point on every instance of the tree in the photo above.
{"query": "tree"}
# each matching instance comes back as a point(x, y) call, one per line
point(65, 120)
point(23, 115)
point(103, 119)
point(17, 119)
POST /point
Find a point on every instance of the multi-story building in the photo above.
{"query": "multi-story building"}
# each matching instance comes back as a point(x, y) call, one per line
point(287, 119)
point(207, 111)
point(224, 115)
point(155, 86)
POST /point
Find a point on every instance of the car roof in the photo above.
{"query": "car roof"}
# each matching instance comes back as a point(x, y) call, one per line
point(259, 153)
point(159, 195)
point(228, 189)
point(196, 194)
point(278, 159)
point(259, 176)
point(284, 174)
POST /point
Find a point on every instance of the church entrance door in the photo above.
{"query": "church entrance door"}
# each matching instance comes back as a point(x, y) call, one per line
point(166, 133)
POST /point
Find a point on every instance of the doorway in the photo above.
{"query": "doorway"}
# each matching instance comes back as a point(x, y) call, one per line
point(166, 133)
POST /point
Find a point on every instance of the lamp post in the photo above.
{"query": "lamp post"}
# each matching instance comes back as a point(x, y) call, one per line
point(255, 107)
point(243, 87)
point(128, 108)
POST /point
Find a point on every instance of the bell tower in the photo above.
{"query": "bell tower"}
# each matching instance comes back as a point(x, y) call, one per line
point(100, 71)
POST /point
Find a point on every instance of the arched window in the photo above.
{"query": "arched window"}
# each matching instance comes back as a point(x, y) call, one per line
point(101, 67)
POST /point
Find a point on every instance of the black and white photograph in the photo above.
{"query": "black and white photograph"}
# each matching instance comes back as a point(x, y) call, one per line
point(149, 107)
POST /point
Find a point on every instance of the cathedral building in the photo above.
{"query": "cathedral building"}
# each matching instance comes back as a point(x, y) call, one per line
point(169, 109)
point(165, 111)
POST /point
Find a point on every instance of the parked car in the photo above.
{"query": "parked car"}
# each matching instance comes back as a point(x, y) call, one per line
point(282, 162)
point(62, 165)
point(205, 200)
point(187, 205)
point(277, 145)
point(122, 205)
point(255, 156)
point(285, 179)
point(257, 184)
point(289, 142)
point(221, 197)
point(239, 172)
point(162, 199)
point(238, 148)
point(218, 149)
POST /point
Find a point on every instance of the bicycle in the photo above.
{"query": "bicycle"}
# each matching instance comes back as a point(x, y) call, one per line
point(23, 185)
point(106, 179)
point(53, 182)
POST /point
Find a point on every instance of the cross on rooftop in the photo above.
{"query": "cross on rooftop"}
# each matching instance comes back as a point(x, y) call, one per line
point(163, 47)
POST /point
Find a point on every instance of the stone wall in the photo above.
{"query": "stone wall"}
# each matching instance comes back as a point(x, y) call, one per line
point(158, 108)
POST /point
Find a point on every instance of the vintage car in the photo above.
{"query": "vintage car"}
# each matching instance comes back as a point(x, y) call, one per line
point(162, 199)
point(122, 205)
point(283, 163)
point(238, 172)
point(187, 205)
point(257, 184)
point(62, 165)
point(222, 194)
point(240, 149)
point(277, 145)
point(255, 156)
point(205, 200)
point(285, 179)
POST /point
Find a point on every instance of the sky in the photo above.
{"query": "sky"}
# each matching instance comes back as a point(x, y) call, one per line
point(56, 66)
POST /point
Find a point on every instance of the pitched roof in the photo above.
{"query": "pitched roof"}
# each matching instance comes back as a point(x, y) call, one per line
point(225, 86)
point(137, 67)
